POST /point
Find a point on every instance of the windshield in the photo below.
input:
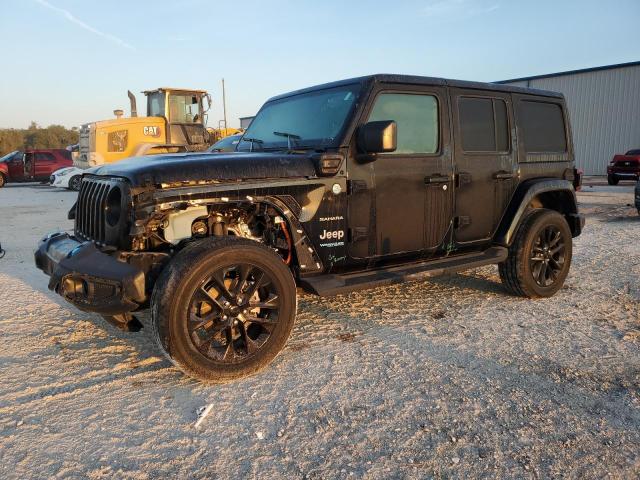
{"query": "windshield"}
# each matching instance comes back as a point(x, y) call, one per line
point(633, 152)
point(309, 120)
point(184, 108)
point(227, 144)
point(8, 156)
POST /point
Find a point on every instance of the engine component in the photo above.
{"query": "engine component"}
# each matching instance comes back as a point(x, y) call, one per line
point(178, 225)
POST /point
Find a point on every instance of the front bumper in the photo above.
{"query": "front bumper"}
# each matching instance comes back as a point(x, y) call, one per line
point(627, 172)
point(91, 280)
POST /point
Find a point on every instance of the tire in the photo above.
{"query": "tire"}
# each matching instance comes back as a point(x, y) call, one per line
point(75, 182)
point(3, 180)
point(545, 274)
point(188, 308)
point(612, 179)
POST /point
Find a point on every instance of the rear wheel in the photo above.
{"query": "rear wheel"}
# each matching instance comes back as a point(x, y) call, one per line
point(539, 257)
point(223, 308)
point(74, 183)
point(612, 179)
point(3, 180)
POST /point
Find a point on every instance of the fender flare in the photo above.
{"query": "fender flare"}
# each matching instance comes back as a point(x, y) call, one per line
point(521, 199)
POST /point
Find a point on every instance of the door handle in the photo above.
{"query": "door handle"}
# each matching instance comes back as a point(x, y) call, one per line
point(437, 179)
point(503, 176)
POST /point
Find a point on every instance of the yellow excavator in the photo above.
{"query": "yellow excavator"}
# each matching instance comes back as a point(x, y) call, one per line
point(175, 122)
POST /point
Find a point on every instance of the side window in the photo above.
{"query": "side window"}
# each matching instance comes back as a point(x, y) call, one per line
point(41, 157)
point(484, 125)
point(417, 119)
point(542, 126)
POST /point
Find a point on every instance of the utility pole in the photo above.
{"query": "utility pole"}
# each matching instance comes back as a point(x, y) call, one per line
point(224, 105)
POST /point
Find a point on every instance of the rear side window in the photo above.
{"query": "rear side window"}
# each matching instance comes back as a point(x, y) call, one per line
point(484, 126)
point(44, 157)
point(542, 126)
point(416, 117)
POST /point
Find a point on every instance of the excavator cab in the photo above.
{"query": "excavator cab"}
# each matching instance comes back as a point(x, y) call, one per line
point(184, 112)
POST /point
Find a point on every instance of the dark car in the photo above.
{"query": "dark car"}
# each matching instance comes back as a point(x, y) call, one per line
point(32, 165)
point(624, 167)
point(349, 185)
point(227, 144)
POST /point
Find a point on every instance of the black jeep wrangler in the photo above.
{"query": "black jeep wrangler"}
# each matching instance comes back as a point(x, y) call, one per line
point(333, 188)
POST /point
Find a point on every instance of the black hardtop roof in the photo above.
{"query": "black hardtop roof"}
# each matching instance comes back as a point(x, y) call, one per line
point(418, 80)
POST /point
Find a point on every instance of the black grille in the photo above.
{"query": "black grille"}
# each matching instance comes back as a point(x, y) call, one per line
point(91, 211)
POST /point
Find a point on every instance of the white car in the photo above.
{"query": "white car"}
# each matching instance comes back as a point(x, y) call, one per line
point(68, 177)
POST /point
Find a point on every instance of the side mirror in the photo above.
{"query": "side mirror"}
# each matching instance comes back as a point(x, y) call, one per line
point(378, 137)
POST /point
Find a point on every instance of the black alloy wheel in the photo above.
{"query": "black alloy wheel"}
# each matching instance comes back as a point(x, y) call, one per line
point(75, 182)
point(233, 312)
point(223, 308)
point(547, 256)
point(539, 255)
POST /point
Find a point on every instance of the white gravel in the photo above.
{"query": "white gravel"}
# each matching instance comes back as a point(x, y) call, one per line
point(450, 378)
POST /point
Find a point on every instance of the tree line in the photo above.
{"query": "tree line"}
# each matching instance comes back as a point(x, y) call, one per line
point(53, 136)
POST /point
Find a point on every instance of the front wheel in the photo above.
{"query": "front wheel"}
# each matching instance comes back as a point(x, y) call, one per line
point(74, 183)
point(223, 308)
point(612, 179)
point(539, 257)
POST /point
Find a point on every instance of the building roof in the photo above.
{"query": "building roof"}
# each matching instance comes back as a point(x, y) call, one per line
point(417, 80)
point(571, 72)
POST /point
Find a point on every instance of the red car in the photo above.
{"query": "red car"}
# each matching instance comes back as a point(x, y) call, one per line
point(624, 167)
point(33, 165)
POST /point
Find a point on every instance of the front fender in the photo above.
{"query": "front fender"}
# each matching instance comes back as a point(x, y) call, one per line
point(555, 194)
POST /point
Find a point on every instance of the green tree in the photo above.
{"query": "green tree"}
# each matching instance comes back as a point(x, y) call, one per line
point(53, 136)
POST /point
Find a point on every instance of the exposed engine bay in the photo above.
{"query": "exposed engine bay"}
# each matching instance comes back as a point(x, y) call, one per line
point(258, 222)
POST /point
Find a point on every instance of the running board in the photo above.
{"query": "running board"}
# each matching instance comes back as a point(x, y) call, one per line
point(331, 284)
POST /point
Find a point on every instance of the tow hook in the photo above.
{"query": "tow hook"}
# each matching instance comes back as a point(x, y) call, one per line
point(124, 321)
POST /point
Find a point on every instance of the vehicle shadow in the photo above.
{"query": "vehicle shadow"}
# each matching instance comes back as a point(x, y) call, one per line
point(469, 281)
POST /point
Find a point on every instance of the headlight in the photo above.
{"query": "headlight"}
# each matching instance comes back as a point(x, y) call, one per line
point(113, 206)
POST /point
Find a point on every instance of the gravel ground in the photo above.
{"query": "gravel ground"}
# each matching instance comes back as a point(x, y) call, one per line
point(449, 378)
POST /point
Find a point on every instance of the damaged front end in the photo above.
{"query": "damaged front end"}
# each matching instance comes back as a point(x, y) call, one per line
point(95, 269)
point(89, 278)
point(124, 235)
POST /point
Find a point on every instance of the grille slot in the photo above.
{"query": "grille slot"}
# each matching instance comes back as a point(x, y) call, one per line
point(91, 214)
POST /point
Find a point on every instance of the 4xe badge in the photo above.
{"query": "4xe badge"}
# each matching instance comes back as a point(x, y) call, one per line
point(151, 131)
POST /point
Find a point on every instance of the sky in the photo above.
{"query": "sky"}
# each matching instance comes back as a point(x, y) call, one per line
point(70, 62)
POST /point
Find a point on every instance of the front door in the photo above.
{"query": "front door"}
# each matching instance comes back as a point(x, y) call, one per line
point(16, 167)
point(404, 201)
point(486, 174)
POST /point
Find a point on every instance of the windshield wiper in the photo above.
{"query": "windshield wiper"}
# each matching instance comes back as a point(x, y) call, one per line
point(289, 137)
point(252, 141)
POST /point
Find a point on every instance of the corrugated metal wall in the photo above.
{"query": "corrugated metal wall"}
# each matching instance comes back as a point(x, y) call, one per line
point(604, 106)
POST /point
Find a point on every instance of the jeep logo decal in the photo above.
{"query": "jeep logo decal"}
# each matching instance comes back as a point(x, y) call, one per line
point(151, 131)
point(335, 234)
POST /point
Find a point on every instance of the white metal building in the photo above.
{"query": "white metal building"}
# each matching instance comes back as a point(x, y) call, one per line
point(604, 106)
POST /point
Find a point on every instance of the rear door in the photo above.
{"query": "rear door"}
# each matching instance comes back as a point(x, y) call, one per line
point(44, 163)
point(406, 205)
point(484, 154)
